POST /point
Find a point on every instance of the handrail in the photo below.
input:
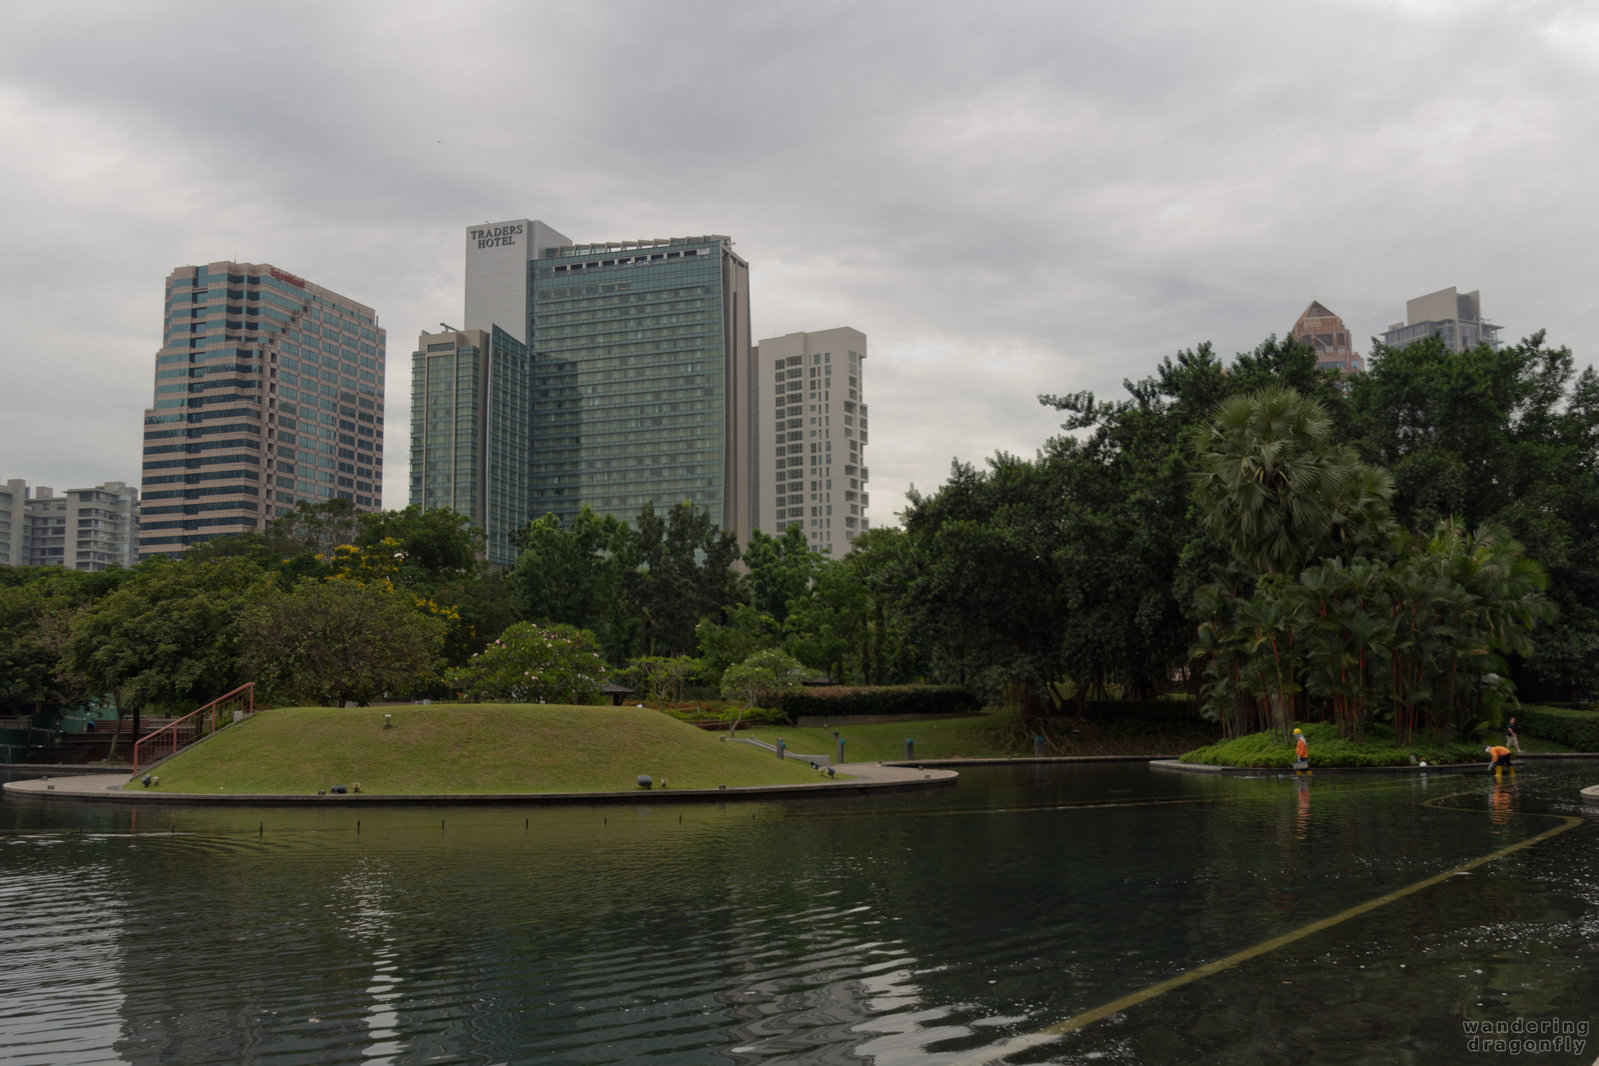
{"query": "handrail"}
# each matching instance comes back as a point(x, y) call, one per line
point(167, 736)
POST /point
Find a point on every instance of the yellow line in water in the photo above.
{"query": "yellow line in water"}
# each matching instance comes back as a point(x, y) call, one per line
point(1045, 1035)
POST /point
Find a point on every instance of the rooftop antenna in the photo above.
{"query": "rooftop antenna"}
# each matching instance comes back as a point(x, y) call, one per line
point(449, 328)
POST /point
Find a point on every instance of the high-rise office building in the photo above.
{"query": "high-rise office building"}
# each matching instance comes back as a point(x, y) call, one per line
point(81, 529)
point(268, 391)
point(1454, 317)
point(1325, 334)
point(643, 387)
point(813, 436)
point(470, 430)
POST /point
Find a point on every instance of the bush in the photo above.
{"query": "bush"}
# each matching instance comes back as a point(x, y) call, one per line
point(1575, 729)
point(840, 700)
point(722, 711)
point(1328, 748)
point(534, 664)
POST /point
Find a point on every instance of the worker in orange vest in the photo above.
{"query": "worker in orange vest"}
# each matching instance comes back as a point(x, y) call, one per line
point(1498, 756)
point(1301, 753)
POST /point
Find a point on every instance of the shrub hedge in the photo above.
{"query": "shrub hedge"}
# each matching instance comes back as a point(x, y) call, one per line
point(697, 711)
point(1327, 748)
point(880, 700)
point(1575, 729)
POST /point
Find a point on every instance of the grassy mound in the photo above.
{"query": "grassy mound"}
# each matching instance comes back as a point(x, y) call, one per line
point(468, 749)
point(1327, 748)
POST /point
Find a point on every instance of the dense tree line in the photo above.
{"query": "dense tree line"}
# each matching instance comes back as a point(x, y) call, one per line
point(1402, 546)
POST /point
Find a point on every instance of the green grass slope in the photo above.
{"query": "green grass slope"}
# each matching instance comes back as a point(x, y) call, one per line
point(979, 736)
point(466, 749)
point(992, 735)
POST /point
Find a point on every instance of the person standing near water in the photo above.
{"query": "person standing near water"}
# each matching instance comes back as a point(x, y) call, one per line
point(1498, 756)
point(1511, 740)
point(1301, 753)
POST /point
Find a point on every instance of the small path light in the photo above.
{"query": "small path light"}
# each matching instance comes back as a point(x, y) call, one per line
point(388, 721)
point(910, 748)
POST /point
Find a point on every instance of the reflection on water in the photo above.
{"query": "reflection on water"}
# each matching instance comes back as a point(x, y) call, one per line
point(896, 930)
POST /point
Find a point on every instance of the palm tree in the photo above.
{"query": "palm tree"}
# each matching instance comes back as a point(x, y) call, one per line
point(1275, 488)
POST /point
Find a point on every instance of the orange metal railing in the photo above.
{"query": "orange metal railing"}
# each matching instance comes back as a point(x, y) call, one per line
point(191, 727)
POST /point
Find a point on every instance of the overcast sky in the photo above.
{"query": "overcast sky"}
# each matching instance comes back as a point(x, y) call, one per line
point(1007, 198)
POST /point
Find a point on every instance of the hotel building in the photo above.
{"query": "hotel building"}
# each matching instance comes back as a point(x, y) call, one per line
point(642, 381)
point(813, 436)
point(268, 391)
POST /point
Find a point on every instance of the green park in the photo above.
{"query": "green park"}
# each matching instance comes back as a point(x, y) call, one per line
point(1397, 563)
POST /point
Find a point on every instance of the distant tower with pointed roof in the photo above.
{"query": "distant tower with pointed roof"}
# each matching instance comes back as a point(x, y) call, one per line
point(1325, 334)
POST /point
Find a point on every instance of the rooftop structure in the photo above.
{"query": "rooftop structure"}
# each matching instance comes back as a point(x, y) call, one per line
point(1447, 314)
point(1325, 334)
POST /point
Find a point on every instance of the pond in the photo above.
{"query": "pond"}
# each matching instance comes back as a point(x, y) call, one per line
point(963, 925)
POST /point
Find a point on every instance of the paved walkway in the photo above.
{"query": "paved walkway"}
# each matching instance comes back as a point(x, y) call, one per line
point(861, 777)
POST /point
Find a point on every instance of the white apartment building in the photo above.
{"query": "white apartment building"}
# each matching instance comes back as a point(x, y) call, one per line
point(811, 434)
point(82, 529)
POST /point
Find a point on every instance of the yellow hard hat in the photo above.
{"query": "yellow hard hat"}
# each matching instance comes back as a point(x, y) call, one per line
point(1296, 731)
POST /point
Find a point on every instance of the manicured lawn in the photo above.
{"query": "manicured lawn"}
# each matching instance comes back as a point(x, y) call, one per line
point(991, 735)
point(467, 748)
point(979, 736)
point(1537, 744)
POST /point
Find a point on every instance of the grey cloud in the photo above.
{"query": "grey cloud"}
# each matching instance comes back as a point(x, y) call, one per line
point(1054, 194)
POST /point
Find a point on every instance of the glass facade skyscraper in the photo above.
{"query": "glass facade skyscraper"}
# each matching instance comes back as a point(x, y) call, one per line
point(470, 417)
point(642, 373)
point(642, 383)
point(268, 391)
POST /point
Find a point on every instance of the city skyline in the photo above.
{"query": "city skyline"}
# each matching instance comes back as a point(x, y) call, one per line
point(1056, 197)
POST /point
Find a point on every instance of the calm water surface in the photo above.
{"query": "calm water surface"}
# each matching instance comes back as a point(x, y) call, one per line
point(930, 928)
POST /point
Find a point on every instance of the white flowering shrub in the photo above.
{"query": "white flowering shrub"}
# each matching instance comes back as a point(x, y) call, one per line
point(534, 664)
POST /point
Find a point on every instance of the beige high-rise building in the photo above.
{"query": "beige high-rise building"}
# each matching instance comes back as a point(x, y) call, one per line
point(1448, 314)
point(81, 529)
point(811, 436)
point(1325, 334)
point(268, 391)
